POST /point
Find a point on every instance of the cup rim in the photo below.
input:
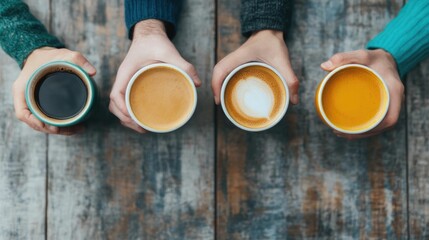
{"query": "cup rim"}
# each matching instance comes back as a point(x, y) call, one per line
point(329, 76)
point(155, 65)
point(229, 77)
point(61, 122)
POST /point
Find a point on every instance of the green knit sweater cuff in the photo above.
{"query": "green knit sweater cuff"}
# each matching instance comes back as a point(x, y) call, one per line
point(406, 37)
point(265, 14)
point(21, 32)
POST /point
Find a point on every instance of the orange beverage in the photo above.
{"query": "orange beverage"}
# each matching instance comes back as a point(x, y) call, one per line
point(352, 99)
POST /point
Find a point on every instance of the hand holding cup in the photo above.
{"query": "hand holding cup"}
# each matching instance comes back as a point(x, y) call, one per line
point(384, 64)
point(266, 46)
point(34, 61)
point(150, 45)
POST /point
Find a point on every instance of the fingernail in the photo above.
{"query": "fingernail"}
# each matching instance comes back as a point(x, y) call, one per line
point(89, 68)
point(216, 99)
point(295, 98)
point(327, 64)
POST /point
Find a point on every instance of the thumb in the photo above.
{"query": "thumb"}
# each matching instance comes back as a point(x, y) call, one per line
point(339, 59)
point(78, 59)
point(225, 67)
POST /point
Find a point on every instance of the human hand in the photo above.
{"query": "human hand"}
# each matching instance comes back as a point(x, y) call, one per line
point(35, 60)
point(265, 46)
point(384, 64)
point(150, 45)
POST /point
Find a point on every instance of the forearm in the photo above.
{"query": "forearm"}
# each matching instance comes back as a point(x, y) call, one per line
point(21, 33)
point(265, 14)
point(406, 37)
point(166, 11)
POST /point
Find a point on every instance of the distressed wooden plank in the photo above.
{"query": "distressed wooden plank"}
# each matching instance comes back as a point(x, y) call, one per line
point(22, 158)
point(112, 183)
point(418, 150)
point(298, 180)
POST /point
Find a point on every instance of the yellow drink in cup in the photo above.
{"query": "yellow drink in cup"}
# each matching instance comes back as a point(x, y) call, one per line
point(352, 99)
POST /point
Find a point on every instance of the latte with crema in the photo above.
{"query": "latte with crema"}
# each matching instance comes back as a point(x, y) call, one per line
point(255, 97)
point(161, 97)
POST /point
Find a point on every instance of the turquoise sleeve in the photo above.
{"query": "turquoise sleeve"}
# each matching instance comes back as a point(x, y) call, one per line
point(406, 37)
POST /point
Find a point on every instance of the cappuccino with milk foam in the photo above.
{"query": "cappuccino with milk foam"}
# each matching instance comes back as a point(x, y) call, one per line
point(255, 97)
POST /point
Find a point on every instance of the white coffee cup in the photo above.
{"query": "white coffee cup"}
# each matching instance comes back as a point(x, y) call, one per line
point(156, 85)
point(281, 86)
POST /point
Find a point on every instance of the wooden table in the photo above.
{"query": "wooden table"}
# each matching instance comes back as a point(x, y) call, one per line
point(209, 179)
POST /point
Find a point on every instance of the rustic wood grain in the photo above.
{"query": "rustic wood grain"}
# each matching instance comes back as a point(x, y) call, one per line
point(112, 183)
point(298, 180)
point(417, 86)
point(22, 158)
point(295, 181)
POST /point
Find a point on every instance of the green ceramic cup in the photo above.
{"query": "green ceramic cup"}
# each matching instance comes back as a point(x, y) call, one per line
point(37, 79)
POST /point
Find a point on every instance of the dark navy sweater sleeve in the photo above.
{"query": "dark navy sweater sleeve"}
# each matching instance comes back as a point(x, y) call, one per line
point(164, 10)
point(265, 14)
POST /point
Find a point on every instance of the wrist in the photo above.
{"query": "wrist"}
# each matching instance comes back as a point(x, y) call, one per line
point(36, 52)
point(386, 55)
point(149, 27)
point(267, 33)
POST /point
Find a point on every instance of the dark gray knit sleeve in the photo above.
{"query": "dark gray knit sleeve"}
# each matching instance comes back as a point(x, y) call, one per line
point(265, 14)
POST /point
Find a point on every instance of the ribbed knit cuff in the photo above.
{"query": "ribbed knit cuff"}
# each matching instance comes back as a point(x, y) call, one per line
point(265, 14)
point(164, 10)
point(406, 37)
point(21, 32)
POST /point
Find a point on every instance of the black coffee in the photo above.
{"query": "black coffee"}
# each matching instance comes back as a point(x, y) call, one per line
point(61, 95)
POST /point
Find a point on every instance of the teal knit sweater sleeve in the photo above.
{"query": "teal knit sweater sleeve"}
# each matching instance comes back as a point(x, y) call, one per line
point(406, 37)
point(164, 10)
point(20, 32)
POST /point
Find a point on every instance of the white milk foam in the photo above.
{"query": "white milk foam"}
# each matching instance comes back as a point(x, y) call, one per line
point(254, 97)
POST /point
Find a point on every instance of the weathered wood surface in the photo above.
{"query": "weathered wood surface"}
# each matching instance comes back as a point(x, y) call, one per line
point(112, 183)
point(295, 181)
point(298, 180)
point(418, 150)
point(22, 158)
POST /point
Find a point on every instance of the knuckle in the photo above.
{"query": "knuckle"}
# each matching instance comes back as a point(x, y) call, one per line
point(112, 97)
point(337, 58)
point(34, 126)
point(123, 123)
point(127, 122)
point(391, 120)
point(364, 55)
point(75, 56)
point(189, 68)
point(294, 82)
point(55, 130)
point(400, 88)
point(19, 116)
point(110, 107)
